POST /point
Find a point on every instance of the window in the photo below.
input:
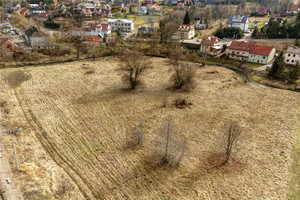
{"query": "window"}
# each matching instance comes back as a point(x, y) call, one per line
point(251, 55)
point(264, 57)
point(289, 55)
point(294, 55)
point(292, 61)
point(288, 60)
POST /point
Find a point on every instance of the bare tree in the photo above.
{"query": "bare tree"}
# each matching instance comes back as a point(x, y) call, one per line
point(169, 25)
point(240, 10)
point(171, 144)
point(184, 73)
point(133, 64)
point(230, 138)
point(78, 43)
point(136, 135)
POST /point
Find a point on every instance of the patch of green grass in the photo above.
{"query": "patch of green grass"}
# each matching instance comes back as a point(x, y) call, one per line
point(251, 64)
point(257, 79)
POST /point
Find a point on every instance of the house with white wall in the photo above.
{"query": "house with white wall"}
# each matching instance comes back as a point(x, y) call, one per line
point(292, 55)
point(122, 25)
point(239, 21)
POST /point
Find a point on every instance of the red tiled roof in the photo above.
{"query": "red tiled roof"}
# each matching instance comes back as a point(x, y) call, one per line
point(261, 50)
point(211, 40)
point(59, 19)
point(105, 27)
point(44, 15)
point(87, 11)
point(184, 26)
point(23, 10)
point(93, 38)
point(241, 46)
point(93, 25)
point(261, 9)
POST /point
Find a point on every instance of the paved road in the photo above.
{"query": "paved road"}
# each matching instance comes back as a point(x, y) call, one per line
point(12, 190)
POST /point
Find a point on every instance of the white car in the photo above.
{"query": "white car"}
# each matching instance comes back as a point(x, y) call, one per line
point(8, 180)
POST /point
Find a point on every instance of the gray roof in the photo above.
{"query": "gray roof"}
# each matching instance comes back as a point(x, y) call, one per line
point(122, 20)
point(293, 50)
point(237, 19)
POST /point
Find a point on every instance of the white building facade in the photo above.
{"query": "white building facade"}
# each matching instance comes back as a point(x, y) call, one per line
point(292, 55)
point(122, 25)
point(239, 21)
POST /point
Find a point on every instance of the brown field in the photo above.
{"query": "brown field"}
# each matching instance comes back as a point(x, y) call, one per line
point(75, 127)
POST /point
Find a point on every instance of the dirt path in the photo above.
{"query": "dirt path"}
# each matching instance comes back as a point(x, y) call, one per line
point(12, 190)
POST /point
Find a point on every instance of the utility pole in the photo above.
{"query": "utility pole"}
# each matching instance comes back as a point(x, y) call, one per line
point(12, 141)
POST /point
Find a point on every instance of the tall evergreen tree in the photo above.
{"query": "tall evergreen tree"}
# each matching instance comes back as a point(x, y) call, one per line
point(187, 18)
point(278, 67)
point(254, 33)
point(295, 73)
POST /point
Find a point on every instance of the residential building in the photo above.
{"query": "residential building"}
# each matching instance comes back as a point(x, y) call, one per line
point(200, 23)
point(239, 21)
point(122, 25)
point(60, 20)
point(89, 6)
point(43, 17)
point(185, 32)
point(25, 12)
point(10, 47)
point(36, 10)
point(262, 10)
point(142, 10)
point(292, 55)
point(207, 43)
point(87, 13)
point(35, 38)
point(97, 28)
point(261, 54)
point(146, 31)
point(239, 50)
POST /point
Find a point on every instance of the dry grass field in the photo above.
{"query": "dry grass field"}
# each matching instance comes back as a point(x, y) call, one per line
point(75, 127)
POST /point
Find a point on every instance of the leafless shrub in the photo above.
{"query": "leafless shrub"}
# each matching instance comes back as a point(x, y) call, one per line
point(184, 74)
point(133, 64)
point(136, 136)
point(171, 145)
point(181, 103)
point(15, 78)
point(230, 137)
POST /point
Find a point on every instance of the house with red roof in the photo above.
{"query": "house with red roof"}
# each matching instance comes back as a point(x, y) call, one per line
point(10, 47)
point(262, 10)
point(185, 32)
point(87, 12)
point(99, 29)
point(207, 43)
point(261, 54)
point(25, 12)
point(60, 20)
point(239, 50)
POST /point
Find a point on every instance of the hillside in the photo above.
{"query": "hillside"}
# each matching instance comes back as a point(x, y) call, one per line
point(75, 126)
